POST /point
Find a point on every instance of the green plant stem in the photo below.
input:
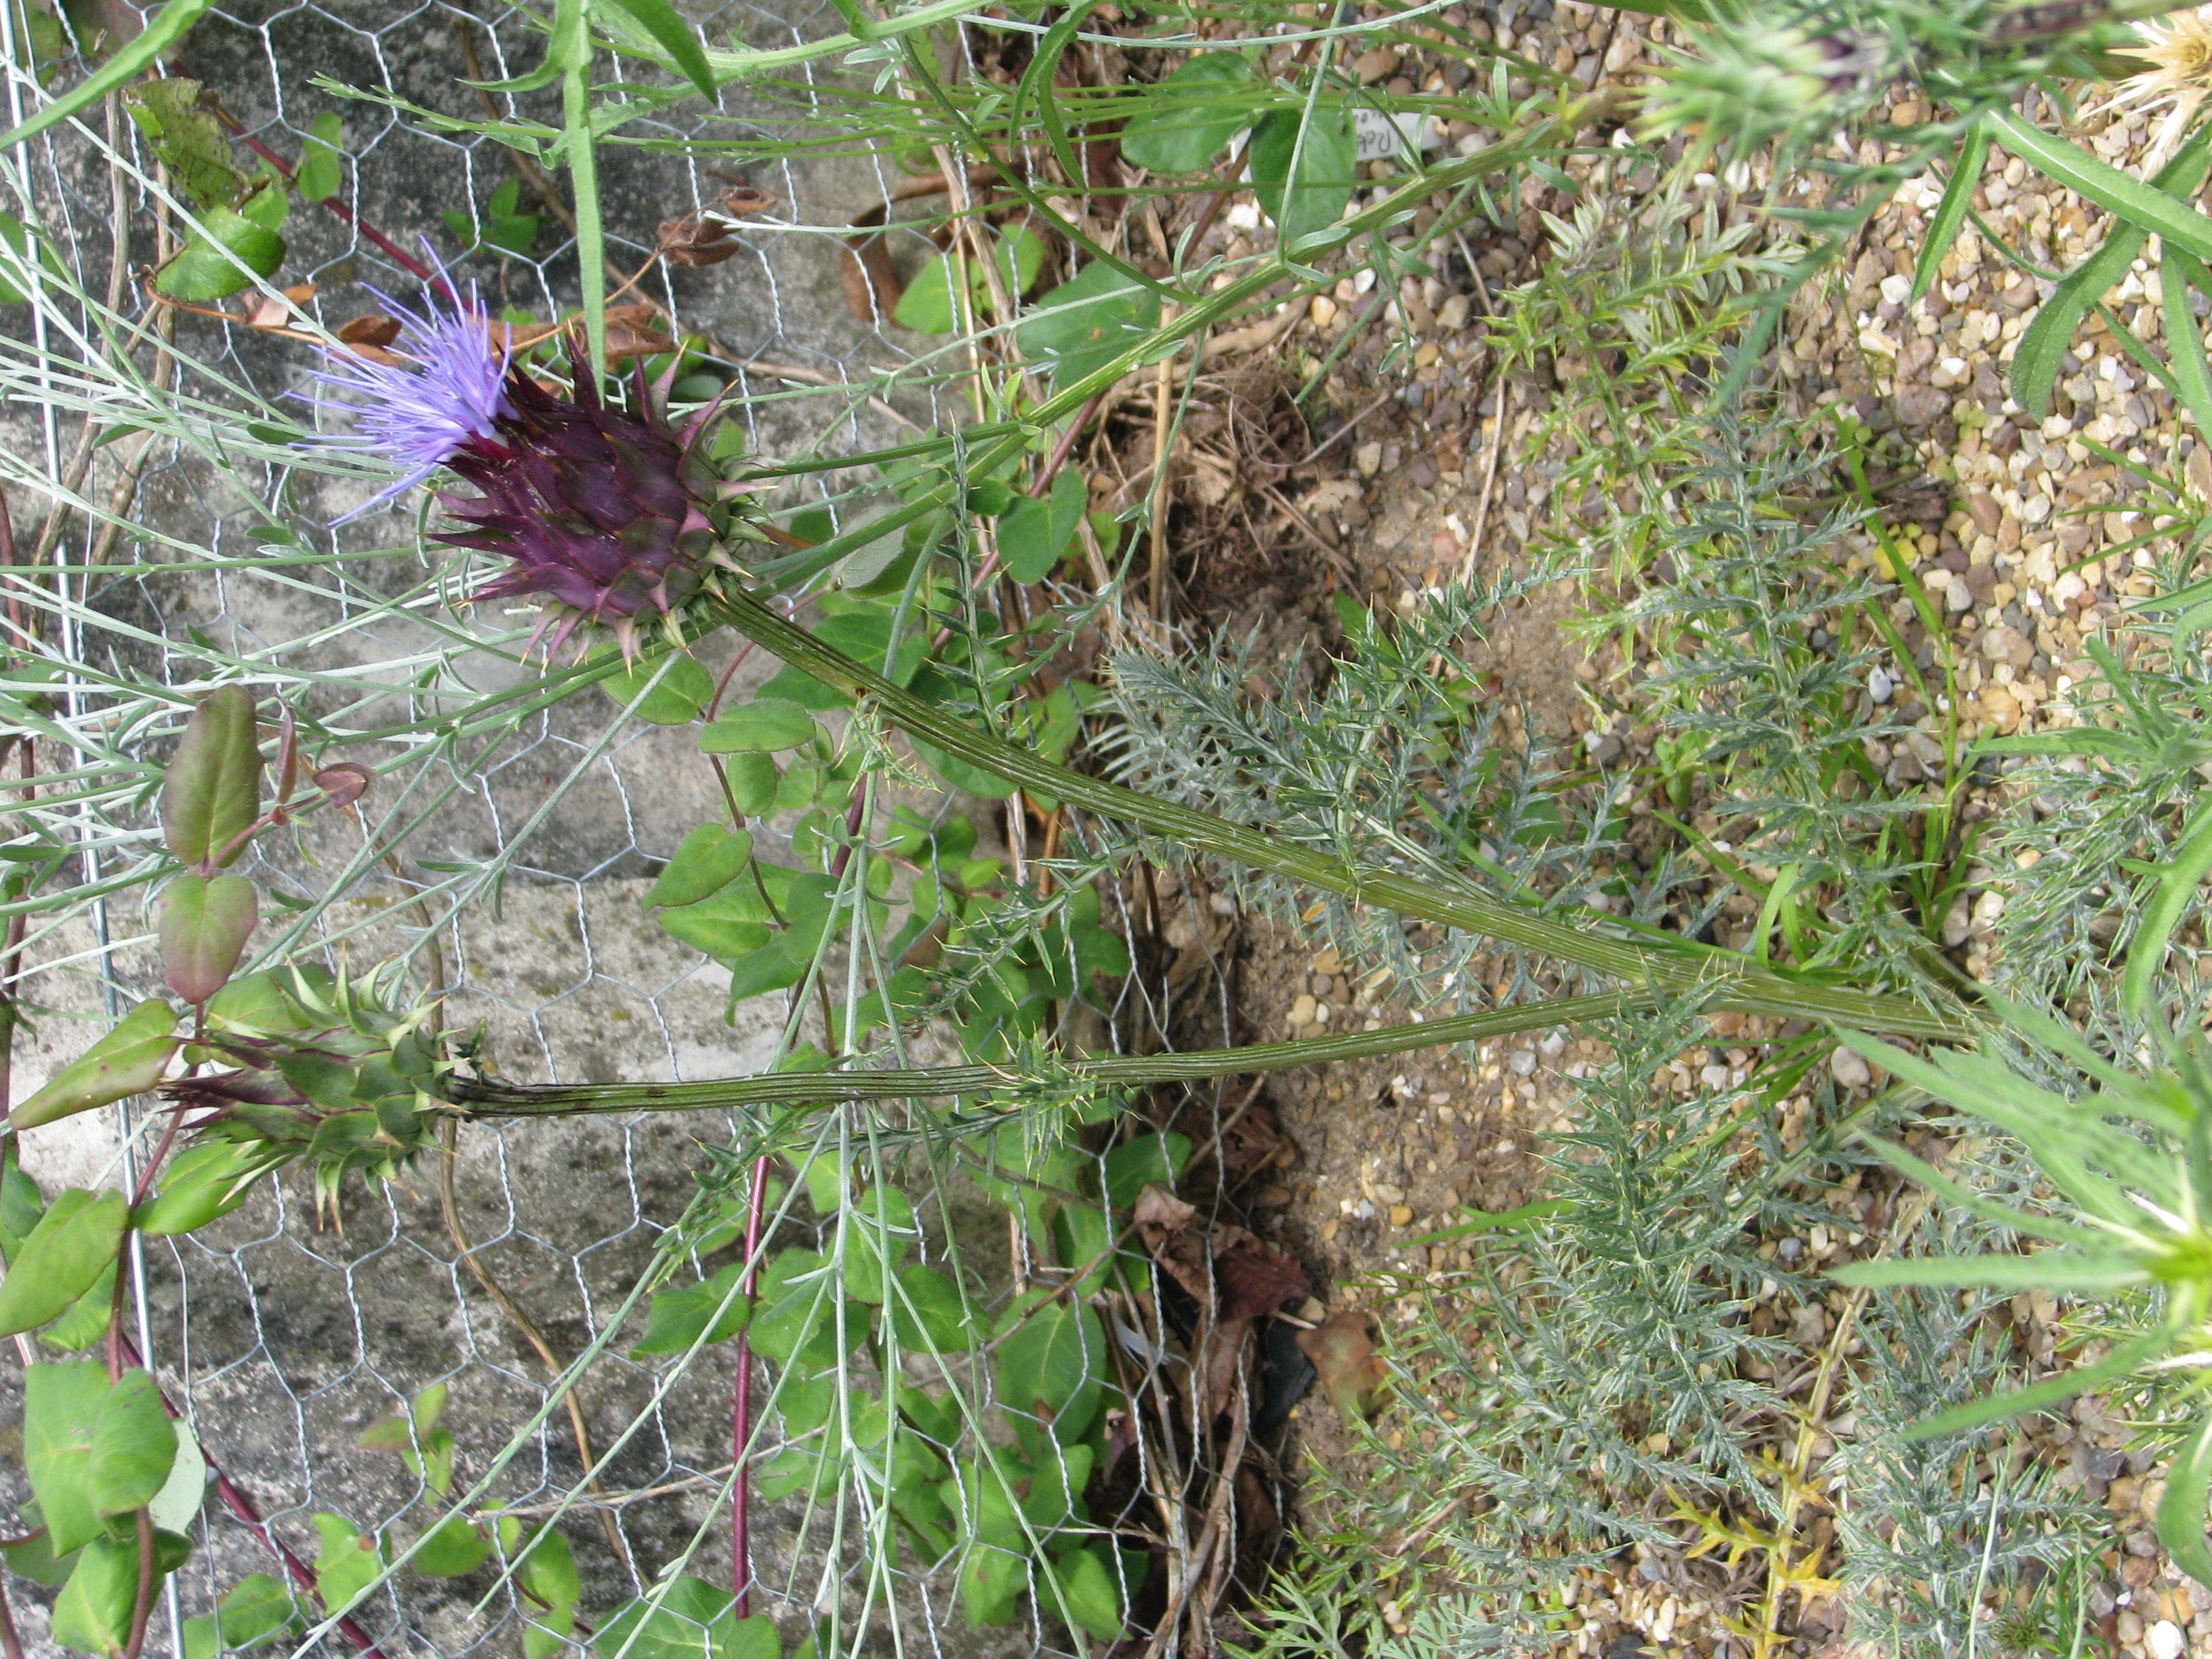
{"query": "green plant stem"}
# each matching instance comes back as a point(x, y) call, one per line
point(1728, 980)
point(482, 1099)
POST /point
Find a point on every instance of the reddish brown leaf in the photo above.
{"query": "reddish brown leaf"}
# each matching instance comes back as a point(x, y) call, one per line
point(1344, 1357)
point(373, 329)
point(344, 783)
point(1255, 1280)
point(634, 331)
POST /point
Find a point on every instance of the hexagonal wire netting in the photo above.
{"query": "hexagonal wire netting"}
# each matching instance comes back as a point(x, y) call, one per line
point(506, 857)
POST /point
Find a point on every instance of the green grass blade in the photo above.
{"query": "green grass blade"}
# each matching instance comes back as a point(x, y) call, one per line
point(675, 37)
point(2192, 381)
point(2180, 1520)
point(1951, 212)
point(2038, 1396)
point(2177, 886)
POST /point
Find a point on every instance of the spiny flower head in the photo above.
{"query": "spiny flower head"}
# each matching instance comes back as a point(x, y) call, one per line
point(450, 387)
point(608, 514)
point(2178, 49)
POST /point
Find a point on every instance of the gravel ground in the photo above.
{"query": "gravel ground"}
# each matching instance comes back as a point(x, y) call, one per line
point(2016, 519)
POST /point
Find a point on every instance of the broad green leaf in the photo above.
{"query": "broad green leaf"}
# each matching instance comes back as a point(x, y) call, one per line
point(134, 1446)
point(84, 1321)
point(320, 175)
point(753, 782)
point(21, 1204)
point(72, 1245)
point(347, 1565)
point(1148, 1158)
point(1088, 322)
point(709, 1311)
point(1051, 1368)
point(211, 790)
point(675, 37)
point(1951, 212)
point(61, 1416)
point(188, 138)
point(927, 1310)
point(92, 1612)
point(684, 689)
point(690, 1618)
point(799, 1314)
point(759, 972)
point(1303, 170)
point(200, 1184)
point(991, 1581)
point(760, 727)
point(205, 922)
point(256, 1609)
point(706, 861)
point(1034, 535)
point(1185, 120)
point(1081, 1588)
point(129, 1060)
point(926, 303)
point(173, 1507)
point(231, 250)
point(452, 1547)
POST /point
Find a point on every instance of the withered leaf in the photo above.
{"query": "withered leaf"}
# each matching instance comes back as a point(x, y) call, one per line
point(263, 312)
point(1344, 1357)
point(370, 336)
point(344, 783)
point(634, 331)
point(1255, 1280)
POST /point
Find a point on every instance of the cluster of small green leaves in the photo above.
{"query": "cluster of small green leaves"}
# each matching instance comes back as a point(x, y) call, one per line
point(239, 217)
point(924, 1466)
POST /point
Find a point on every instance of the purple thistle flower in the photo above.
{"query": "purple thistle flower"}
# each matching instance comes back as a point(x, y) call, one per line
point(606, 513)
point(419, 414)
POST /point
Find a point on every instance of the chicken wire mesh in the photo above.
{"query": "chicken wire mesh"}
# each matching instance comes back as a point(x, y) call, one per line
point(504, 853)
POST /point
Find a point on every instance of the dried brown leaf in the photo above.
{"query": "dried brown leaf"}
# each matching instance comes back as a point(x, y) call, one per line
point(1344, 1357)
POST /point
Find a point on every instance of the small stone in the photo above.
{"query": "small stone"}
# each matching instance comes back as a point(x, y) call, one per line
point(1401, 1214)
point(1373, 66)
point(1321, 309)
point(1368, 458)
point(1301, 1011)
point(1849, 1070)
point(2164, 1640)
point(1451, 315)
point(1880, 687)
point(1521, 1062)
point(1896, 288)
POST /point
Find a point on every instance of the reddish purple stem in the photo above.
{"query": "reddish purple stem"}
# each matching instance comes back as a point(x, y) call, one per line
point(400, 256)
point(741, 1415)
point(242, 1509)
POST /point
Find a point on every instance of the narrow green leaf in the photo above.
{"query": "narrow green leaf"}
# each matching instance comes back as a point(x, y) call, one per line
point(2178, 273)
point(200, 1184)
point(2177, 887)
point(2038, 1396)
point(2181, 1521)
point(129, 1060)
point(173, 1507)
point(675, 37)
point(2146, 207)
point(2049, 334)
point(453, 1548)
point(161, 32)
point(1951, 212)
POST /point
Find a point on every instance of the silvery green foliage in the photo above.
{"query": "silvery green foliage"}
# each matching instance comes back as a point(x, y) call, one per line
point(1398, 760)
point(1755, 696)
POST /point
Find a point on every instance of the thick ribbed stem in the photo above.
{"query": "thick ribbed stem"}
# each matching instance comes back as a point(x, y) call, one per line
point(1728, 981)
